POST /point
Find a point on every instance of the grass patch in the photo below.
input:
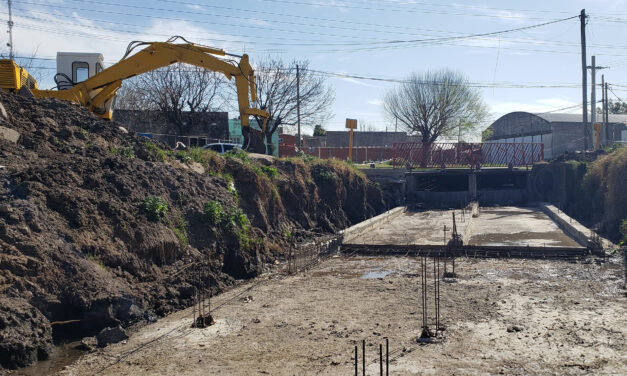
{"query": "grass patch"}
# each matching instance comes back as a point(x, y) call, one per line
point(156, 152)
point(180, 230)
point(126, 152)
point(155, 207)
point(196, 154)
point(95, 260)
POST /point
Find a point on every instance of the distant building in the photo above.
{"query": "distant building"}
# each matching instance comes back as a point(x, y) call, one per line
point(340, 139)
point(199, 128)
point(287, 145)
point(558, 133)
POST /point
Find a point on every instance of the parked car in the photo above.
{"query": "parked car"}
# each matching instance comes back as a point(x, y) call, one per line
point(222, 147)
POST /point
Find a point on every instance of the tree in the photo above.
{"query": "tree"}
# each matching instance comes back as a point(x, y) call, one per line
point(172, 90)
point(436, 104)
point(364, 126)
point(319, 130)
point(616, 107)
point(277, 94)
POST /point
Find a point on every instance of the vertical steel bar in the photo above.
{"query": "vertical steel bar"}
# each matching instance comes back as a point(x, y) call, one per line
point(363, 357)
point(435, 294)
point(381, 359)
point(356, 360)
point(387, 357)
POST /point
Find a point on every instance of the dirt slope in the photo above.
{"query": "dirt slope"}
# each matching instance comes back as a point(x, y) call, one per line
point(589, 188)
point(102, 227)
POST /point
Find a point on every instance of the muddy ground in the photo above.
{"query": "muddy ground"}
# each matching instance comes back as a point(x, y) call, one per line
point(100, 227)
point(501, 317)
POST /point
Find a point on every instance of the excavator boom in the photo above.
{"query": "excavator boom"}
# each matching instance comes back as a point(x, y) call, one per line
point(97, 92)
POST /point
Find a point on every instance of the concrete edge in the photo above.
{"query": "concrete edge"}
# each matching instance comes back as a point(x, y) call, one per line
point(572, 227)
point(352, 232)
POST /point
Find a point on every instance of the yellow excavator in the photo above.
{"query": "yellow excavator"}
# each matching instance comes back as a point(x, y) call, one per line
point(97, 92)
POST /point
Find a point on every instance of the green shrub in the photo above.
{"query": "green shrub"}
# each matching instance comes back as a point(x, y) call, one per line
point(270, 172)
point(156, 151)
point(623, 231)
point(127, 152)
point(236, 217)
point(326, 175)
point(156, 208)
point(214, 213)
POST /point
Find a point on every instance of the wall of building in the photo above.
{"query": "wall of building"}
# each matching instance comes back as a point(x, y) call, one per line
point(287, 145)
point(341, 139)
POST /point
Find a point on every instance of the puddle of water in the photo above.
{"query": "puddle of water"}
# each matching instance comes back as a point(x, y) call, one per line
point(62, 355)
point(376, 274)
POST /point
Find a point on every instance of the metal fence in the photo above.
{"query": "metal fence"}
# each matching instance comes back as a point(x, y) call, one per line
point(453, 154)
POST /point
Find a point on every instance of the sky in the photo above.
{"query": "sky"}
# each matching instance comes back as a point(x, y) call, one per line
point(537, 69)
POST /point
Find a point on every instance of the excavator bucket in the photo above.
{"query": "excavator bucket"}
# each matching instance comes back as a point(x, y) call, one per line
point(254, 140)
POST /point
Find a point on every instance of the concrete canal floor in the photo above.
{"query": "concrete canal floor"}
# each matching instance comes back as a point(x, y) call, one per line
point(569, 318)
point(500, 226)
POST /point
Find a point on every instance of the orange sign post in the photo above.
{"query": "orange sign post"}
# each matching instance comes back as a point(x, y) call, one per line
point(352, 125)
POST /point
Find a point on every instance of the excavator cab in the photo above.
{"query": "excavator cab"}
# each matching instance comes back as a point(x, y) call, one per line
point(75, 67)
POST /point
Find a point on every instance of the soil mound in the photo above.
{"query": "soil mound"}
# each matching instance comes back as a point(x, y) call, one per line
point(99, 227)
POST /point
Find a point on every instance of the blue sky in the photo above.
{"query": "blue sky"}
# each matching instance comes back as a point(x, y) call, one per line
point(353, 37)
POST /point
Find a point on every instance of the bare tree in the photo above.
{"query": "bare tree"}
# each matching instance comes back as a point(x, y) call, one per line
point(277, 94)
point(173, 90)
point(364, 126)
point(436, 104)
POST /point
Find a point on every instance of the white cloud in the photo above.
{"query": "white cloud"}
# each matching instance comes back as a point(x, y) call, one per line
point(376, 102)
point(194, 6)
point(357, 82)
point(537, 106)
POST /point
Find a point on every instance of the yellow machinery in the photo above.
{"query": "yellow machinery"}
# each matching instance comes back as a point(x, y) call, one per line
point(98, 91)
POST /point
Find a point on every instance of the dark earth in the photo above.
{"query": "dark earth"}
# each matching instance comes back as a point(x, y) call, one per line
point(80, 252)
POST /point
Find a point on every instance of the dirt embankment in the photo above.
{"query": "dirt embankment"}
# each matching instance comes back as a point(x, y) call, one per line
point(593, 192)
point(100, 227)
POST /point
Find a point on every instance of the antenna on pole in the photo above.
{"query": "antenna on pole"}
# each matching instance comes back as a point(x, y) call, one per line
point(10, 23)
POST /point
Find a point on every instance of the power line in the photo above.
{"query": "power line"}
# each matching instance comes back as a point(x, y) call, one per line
point(276, 29)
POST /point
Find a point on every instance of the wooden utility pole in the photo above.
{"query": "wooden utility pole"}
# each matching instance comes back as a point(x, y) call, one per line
point(298, 105)
point(584, 78)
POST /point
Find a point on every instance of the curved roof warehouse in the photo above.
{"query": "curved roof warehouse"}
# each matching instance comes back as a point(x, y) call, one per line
point(557, 131)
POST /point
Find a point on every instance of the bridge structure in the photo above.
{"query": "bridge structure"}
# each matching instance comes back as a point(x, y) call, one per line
point(412, 155)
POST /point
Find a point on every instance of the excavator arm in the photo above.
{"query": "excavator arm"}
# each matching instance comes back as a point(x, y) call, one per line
point(97, 92)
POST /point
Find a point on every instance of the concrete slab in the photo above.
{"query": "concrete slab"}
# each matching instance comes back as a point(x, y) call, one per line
point(517, 226)
point(508, 226)
point(416, 228)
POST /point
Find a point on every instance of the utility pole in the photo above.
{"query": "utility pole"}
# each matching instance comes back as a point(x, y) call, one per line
point(298, 105)
point(606, 115)
point(584, 78)
point(607, 104)
point(10, 23)
point(603, 98)
point(593, 96)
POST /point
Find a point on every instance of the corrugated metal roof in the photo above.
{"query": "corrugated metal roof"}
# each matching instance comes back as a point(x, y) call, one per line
point(576, 118)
